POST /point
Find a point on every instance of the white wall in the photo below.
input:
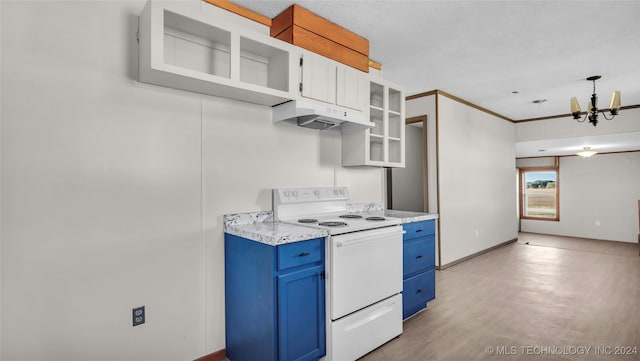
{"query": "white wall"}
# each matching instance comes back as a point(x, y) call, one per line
point(113, 191)
point(603, 188)
point(475, 170)
point(477, 188)
point(408, 183)
point(598, 198)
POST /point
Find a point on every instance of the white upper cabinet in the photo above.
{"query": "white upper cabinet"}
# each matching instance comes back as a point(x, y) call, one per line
point(184, 48)
point(329, 81)
point(352, 88)
point(382, 145)
point(318, 79)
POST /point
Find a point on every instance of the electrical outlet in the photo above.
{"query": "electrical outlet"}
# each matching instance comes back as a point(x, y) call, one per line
point(138, 316)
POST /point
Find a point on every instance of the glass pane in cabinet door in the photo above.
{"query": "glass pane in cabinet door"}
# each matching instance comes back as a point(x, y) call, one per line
point(376, 117)
point(395, 125)
point(376, 96)
point(376, 149)
point(395, 101)
point(395, 151)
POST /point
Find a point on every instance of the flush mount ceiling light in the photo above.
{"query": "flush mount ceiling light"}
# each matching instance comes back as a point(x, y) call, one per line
point(587, 152)
point(592, 105)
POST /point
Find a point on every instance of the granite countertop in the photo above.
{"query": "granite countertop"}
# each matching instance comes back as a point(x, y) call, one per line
point(409, 216)
point(260, 227)
point(377, 209)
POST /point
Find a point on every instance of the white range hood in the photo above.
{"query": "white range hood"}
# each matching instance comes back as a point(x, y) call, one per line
point(317, 115)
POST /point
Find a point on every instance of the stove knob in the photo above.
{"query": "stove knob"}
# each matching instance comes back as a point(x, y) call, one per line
point(342, 191)
point(316, 192)
point(286, 194)
point(335, 191)
point(295, 194)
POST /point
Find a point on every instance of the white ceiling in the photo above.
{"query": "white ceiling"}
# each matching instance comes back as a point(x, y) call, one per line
point(482, 50)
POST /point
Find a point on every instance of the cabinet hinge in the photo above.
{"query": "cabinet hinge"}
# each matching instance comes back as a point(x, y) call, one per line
point(301, 87)
point(322, 275)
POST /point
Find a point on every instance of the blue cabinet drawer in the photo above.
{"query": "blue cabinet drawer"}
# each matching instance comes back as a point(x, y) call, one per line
point(418, 255)
point(417, 291)
point(300, 253)
point(419, 229)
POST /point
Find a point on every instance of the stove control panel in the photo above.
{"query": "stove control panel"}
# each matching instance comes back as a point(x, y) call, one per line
point(303, 195)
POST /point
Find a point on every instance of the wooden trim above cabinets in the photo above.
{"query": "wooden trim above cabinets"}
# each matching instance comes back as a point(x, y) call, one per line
point(306, 39)
point(240, 10)
point(374, 64)
point(299, 26)
point(281, 29)
point(297, 15)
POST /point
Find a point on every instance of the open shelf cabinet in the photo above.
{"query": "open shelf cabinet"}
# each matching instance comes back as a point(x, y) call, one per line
point(183, 48)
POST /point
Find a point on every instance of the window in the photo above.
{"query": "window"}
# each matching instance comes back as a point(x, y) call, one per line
point(539, 190)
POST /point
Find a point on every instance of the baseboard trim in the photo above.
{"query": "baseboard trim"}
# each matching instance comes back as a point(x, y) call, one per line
point(450, 264)
point(215, 356)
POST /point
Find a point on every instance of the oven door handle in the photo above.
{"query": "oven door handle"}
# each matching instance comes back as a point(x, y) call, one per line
point(355, 241)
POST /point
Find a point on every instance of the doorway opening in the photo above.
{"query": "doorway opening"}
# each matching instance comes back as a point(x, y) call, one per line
point(407, 187)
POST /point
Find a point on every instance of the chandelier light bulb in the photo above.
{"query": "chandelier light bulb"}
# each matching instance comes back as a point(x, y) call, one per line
point(592, 105)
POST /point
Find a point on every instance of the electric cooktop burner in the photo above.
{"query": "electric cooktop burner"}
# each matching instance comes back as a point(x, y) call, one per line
point(351, 216)
point(332, 224)
point(375, 218)
point(307, 220)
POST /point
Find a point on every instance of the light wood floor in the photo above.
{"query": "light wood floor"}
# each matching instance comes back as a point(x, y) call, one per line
point(526, 301)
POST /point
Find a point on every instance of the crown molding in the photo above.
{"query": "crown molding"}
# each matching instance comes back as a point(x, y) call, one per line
point(465, 102)
point(438, 92)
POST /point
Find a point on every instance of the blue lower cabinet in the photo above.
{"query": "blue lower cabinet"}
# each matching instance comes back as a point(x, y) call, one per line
point(417, 291)
point(418, 255)
point(301, 315)
point(274, 300)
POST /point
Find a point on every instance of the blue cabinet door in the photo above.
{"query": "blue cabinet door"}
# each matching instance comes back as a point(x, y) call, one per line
point(417, 291)
point(301, 317)
point(418, 256)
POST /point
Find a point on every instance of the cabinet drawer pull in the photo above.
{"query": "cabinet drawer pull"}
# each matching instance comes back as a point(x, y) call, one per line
point(303, 254)
point(419, 291)
point(418, 257)
point(418, 230)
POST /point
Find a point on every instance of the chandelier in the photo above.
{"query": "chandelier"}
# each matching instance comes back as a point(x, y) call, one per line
point(592, 105)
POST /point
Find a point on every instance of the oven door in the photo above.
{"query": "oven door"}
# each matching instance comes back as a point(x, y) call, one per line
point(365, 267)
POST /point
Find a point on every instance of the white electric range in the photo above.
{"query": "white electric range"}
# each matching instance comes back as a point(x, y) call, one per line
point(363, 270)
